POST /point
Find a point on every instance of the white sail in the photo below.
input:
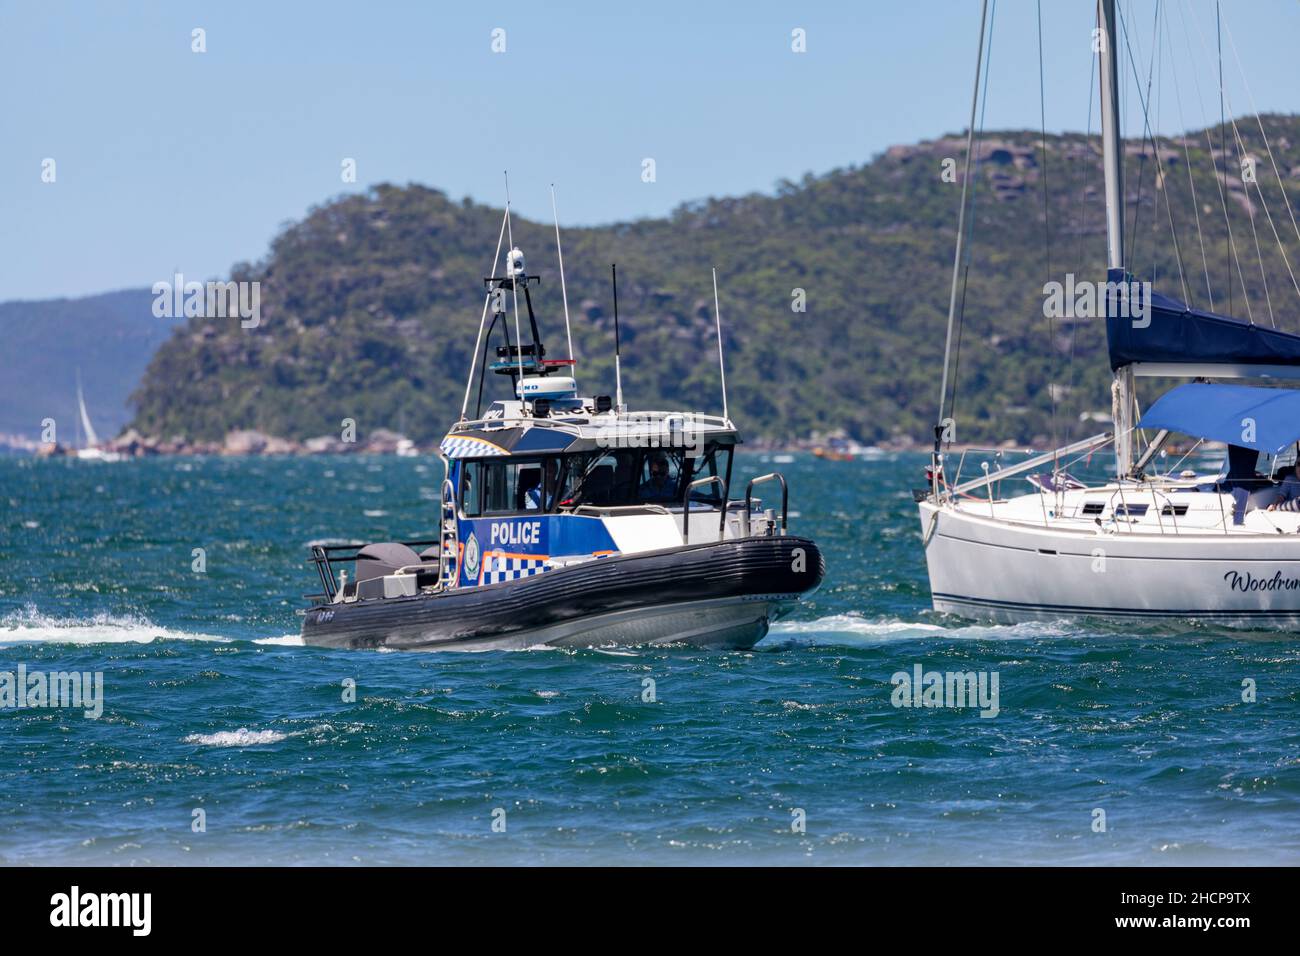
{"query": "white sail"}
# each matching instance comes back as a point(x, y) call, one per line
point(92, 440)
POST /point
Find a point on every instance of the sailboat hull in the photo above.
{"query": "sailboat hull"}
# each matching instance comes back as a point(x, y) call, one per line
point(1004, 572)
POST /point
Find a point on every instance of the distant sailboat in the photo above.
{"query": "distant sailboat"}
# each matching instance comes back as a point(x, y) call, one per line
point(91, 450)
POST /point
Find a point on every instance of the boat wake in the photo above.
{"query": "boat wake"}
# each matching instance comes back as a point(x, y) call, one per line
point(31, 626)
point(854, 629)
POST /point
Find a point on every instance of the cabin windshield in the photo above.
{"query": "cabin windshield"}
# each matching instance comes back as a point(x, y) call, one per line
point(607, 478)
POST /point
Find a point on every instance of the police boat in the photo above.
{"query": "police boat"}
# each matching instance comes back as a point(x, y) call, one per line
point(570, 521)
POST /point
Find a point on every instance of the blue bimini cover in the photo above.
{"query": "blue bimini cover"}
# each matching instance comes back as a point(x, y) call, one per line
point(1265, 419)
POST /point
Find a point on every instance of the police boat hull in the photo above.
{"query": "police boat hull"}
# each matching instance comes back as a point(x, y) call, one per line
point(720, 594)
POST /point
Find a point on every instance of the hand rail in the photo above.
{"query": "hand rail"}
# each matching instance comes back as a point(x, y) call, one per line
point(1003, 473)
point(619, 509)
point(785, 498)
point(686, 509)
point(448, 536)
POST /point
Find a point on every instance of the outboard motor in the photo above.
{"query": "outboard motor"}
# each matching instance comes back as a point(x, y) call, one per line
point(377, 560)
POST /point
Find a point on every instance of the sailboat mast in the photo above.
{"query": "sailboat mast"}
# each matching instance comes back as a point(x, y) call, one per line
point(1111, 144)
point(1122, 389)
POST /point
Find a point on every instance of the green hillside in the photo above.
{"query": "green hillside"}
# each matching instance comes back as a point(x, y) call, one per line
point(371, 302)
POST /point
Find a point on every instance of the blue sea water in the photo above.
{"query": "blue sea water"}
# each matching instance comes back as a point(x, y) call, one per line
point(791, 753)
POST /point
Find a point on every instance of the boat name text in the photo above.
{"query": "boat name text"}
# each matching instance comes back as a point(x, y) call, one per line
point(1248, 582)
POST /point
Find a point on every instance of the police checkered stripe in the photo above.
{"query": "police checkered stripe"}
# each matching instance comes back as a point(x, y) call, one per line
point(461, 446)
point(497, 568)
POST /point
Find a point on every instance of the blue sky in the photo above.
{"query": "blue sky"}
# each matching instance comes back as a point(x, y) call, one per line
point(171, 159)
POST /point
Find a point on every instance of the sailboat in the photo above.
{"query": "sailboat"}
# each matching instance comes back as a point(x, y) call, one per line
point(90, 449)
point(1148, 544)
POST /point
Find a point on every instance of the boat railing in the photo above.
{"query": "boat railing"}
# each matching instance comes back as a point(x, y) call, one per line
point(994, 476)
point(608, 511)
point(686, 510)
point(500, 421)
point(448, 537)
point(326, 556)
point(785, 499)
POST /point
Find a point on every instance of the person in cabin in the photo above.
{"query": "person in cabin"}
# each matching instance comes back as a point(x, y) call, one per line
point(533, 497)
point(659, 487)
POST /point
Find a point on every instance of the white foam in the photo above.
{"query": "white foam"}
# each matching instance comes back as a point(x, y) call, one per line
point(29, 625)
point(854, 628)
point(243, 737)
point(285, 640)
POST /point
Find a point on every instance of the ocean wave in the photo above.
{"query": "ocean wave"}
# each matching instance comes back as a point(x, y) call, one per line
point(30, 625)
point(243, 737)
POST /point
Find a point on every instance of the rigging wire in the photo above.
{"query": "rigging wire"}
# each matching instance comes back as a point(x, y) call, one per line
point(1267, 146)
point(974, 192)
point(1241, 144)
point(1047, 230)
point(1148, 136)
point(1083, 231)
point(1250, 212)
point(1218, 180)
point(1162, 183)
point(1223, 139)
point(1191, 180)
point(940, 428)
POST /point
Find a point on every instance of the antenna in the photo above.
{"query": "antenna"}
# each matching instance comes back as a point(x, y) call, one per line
point(722, 368)
point(563, 289)
point(514, 290)
point(618, 370)
point(464, 407)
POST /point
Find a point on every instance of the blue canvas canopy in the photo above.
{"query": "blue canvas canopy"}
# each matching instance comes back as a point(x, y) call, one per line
point(1265, 419)
point(1179, 335)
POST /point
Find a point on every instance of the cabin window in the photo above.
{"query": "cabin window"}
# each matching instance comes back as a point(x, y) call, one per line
point(1130, 511)
point(1092, 508)
point(614, 478)
point(509, 487)
point(715, 463)
point(660, 482)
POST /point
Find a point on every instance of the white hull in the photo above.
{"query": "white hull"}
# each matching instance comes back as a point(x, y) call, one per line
point(992, 569)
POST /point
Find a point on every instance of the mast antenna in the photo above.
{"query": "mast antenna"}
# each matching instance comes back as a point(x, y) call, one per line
point(722, 368)
point(618, 369)
point(514, 290)
point(564, 292)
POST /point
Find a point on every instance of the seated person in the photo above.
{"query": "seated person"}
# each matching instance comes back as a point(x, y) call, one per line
point(659, 487)
point(1288, 492)
point(533, 497)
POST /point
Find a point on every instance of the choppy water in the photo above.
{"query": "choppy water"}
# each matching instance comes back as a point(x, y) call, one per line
point(210, 703)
